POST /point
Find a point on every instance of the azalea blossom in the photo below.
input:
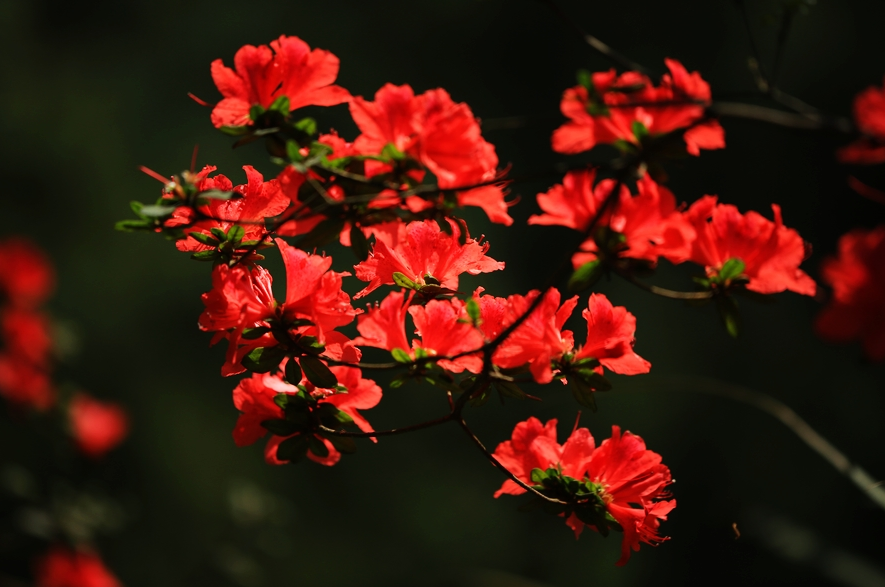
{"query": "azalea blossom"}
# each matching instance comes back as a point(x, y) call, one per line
point(771, 252)
point(857, 307)
point(247, 208)
point(443, 328)
point(96, 426)
point(263, 74)
point(604, 112)
point(610, 331)
point(646, 226)
point(869, 116)
point(442, 135)
point(27, 278)
point(421, 251)
point(61, 567)
point(628, 480)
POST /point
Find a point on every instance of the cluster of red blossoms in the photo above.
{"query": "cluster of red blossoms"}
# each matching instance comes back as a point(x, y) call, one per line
point(27, 357)
point(392, 194)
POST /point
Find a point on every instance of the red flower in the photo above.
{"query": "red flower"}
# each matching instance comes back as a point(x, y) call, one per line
point(649, 222)
point(869, 115)
point(25, 384)
point(604, 114)
point(97, 426)
point(26, 276)
point(26, 335)
point(443, 326)
point(61, 567)
point(420, 250)
point(538, 340)
point(857, 276)
point(254, 397)
point(626, 477)
point(610, 340)
point(250, 205)
point(770, 251)
point(287, 68)
point(440, 134)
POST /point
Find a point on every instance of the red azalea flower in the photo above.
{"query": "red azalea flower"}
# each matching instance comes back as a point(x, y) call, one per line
point(610, 339)
point(287, 68)
point(443, 326)
point(97, 426)
point(26, 335)
point(650, 224)
point(538, 340)
point(420, 250)
point(630, 480)
point(442, 135)
point(869, 115)
point(250, 205)
point(605, 114)
point(857, 307)
point(26, 275)
point(61, 567)
point(24, 384)
point(770, 251)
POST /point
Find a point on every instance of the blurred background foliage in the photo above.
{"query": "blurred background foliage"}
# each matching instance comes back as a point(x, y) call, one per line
point(89, 91)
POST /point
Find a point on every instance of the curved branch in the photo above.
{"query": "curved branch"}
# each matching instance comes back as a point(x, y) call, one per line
point(662, 291)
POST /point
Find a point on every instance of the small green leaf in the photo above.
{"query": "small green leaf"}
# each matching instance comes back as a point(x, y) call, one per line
point(473, 310)
point(585, 78)
point(157, 211)
point(216, 194)
point(235, 234)
point(256, 111)
point(218, 234)
point(538, 476)
point(280, 427)
point(401, 280)
point(254, 333)
point(263, 359)
point(585, 276)
point(731, 316)
point(307, 125)
point(281, 104)
point(318, 373)
point(343, 444)
point(392, 153)
point(509, 389)
point(133, 225)
point(293, 449)
point(731, 269)
point(205, 255)
point(203, 238)
point(234, 131)
point(293, 372)
point(640, 131)
point(400, 356)
point(318, 447)
point(136, 207)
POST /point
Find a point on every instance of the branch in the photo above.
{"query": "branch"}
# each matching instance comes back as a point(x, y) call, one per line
point(773, 407)
point(780, 117)
point(662, 291)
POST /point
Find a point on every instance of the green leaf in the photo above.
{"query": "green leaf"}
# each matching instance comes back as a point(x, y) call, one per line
point(205, 255)
point(400, 356)
point(640, 131)
point(509, 389)
point(214, 194)
point(585, 78)
point(731, 316)
point(293, 449)
point(256, 111)
point(281, 105)
point(203, 238)
point(583, 393)
point(235, 234)
point(359, 244)
point(157, 211)
point(585, 276)
point(401, 280)
point(280, 427)
point(133, 225)
point(218, 234)
point(307, 125)
point(731, 269)
point(318, 373)
point(264, 359)
point(391, 153)
point(318, 447)
point(293, 372)
point(473, 310)
point(254, 333)
point(234, 131)
point(344, 444)
point(538, 476)
point(136, 207)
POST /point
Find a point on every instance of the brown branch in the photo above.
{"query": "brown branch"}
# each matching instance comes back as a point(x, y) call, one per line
point(662, 291)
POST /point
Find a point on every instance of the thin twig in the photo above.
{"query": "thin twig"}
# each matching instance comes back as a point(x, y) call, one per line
point(662, 291)
point(863, 480)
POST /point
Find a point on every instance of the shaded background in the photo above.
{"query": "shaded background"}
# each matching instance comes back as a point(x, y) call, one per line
point(87, 93)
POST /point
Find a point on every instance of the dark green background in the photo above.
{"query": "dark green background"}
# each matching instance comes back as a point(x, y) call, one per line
point(90, 91)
